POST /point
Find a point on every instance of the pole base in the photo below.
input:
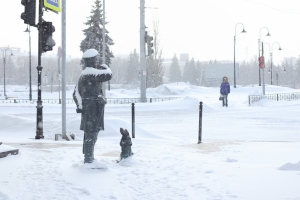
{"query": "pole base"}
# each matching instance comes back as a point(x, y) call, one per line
point(37, 137)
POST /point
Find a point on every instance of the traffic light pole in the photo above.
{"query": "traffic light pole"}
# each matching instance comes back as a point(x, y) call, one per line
point(39, 107)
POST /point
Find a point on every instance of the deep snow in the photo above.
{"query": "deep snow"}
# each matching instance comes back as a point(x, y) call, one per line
point(247, 152)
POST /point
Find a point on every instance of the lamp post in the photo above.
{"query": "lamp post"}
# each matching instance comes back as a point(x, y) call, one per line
point(259, 40)
point(30, 89)
point(4, 50)
point(271, 57)
point(51, 72)
point(234, 73)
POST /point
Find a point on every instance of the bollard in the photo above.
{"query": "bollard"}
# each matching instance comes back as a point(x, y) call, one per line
point(200, 123)
point(133, 120)
point(56, 137)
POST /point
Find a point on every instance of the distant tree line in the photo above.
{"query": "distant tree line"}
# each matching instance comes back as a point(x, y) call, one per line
point(285, 74)
point(17, 70)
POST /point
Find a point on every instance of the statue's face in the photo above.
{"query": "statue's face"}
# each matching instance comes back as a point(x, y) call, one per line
point(97, 61)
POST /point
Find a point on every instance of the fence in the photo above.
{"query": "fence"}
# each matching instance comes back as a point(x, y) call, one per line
point(275, 97)
point(109, 100)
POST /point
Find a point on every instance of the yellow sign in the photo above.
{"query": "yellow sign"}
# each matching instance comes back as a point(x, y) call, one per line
point(53, 5)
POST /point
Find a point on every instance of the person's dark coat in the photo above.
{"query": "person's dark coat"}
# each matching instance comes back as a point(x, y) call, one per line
point(88, 97)
point(225, 88)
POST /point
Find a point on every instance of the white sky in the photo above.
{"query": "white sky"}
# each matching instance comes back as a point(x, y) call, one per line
point(204, 29)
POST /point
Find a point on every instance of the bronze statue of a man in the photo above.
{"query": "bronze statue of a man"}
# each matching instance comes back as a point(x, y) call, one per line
point(88, 96)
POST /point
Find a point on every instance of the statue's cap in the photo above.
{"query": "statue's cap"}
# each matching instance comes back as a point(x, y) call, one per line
point(90, 53)
point(104, 66)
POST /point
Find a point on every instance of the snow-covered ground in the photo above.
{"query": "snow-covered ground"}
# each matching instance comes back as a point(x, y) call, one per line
point(247, 152)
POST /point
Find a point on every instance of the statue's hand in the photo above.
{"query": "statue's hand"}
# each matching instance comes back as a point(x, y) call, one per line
point(78, 110)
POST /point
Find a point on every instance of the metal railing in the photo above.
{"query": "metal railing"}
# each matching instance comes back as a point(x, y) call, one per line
point(109, 100)
point(275, 97)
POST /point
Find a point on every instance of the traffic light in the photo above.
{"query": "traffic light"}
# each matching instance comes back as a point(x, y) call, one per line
point(47, 42)
point(29, 12)
point(149, 39)
point(261, 62)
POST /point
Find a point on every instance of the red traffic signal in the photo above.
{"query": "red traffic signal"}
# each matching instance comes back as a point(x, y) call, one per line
point(261, 62)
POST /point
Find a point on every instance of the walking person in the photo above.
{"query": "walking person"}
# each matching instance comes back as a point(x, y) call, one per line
point(225, 90)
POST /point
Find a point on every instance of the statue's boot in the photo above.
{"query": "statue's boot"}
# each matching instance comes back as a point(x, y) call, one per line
point(88, 147)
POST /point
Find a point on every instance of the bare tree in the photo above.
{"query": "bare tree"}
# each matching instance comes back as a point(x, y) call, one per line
point(155, 70)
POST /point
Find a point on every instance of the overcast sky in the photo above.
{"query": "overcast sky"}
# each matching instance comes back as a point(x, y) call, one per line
point(204, 29)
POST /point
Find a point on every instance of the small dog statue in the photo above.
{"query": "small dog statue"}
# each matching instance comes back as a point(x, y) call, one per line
point(125, 144)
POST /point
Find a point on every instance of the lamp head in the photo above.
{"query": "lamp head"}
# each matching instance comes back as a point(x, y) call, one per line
point(243, 31)
point(268, 34)
point(280, 49)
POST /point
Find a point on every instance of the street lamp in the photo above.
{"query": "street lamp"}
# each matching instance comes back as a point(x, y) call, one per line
point(51, 72)
point(234, 74)
point(259, 40)
point(4, 62)
point(30, 89)
point(271, 57)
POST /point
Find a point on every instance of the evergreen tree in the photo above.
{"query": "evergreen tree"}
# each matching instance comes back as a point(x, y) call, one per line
point(132, 73)
point(175, 73)
point(93, 34)
point(193, 72)
point(186, 71)
point(200, 72)
point(119, 69)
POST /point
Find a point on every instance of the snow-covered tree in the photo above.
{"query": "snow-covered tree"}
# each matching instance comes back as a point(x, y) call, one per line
point(119, 69)
point(132, 73)
point(175, 73)
point(154, 67)
point(93, 34)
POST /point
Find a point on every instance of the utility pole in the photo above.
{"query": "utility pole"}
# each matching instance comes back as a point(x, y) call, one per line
point(63, 70)
point(59, 55)
point(103, 47)
point(263, 69)
point(142, 51)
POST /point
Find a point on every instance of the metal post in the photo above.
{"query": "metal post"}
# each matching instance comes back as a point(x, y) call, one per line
point(39, 116)
point(51, 80)
point(263, 69)
point(259, 77)
point(103, 47)
point(4, 61)
point(271, 71)
point(234, 74)
point(30, 88)
point(142, 51)
point(200, 123)
point(63, 24)
point(59, 77)
point(133, 120)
